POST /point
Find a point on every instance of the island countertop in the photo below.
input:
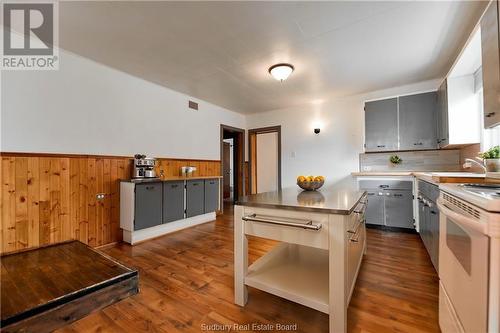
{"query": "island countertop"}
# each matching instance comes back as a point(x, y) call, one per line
point(338, 198)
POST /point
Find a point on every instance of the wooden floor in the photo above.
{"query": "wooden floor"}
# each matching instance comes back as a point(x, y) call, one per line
point(186, 285)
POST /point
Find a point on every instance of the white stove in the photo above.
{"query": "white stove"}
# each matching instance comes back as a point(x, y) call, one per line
point(485, 196)
point(469, 258)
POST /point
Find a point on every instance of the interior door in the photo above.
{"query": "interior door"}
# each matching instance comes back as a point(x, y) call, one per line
point(226, 167)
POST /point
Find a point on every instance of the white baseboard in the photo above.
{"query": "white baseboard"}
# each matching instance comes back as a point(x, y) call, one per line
point(134, 237)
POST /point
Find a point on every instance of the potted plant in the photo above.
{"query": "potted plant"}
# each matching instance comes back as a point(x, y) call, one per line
point(491, 159)
point(395, 159)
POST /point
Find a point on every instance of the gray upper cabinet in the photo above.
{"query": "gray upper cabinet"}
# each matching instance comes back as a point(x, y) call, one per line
point(173, 201)
point(195, 197)
point(211, 195)
point(417, 121)
point(443, 137)
point(381, 125)
point(491, 65)
point(148, 205)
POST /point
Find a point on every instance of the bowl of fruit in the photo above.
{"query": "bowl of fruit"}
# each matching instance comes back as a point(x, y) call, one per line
point(310, 183)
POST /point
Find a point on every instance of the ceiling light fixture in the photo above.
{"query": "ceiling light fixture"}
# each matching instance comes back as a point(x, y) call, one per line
point(281, 71)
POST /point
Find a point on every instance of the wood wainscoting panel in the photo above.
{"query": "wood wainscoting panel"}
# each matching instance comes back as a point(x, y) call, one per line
point(51, 198)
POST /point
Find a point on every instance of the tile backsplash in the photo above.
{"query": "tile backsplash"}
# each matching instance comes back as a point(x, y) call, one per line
point(428, 160)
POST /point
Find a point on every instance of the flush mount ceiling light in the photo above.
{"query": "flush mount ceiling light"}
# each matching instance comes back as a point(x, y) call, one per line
point(281, 71)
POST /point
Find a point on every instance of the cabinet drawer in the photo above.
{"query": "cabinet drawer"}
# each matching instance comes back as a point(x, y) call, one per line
point(285, 233)
point(354, 254)
point(386, 184)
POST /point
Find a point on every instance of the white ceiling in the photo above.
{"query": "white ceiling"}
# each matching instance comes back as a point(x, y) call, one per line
point(220, 51)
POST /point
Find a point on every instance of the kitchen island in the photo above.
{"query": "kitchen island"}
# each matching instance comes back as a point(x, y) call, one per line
point(323, 238)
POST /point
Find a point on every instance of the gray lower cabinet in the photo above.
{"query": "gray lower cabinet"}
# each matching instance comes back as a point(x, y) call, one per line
point(399, 208)
point(148, 205)
point(195, 197)
point(428, 218)
point(374, 213)
point(490, 23)
point(381, 125)
point(211, 195)
point(417, 121)
point(173, 201)
point(443, 136)
point(390, 202)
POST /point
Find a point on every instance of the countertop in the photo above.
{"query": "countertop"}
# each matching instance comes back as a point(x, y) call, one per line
point(338, 198)
point(430, 176)
point(167, 179)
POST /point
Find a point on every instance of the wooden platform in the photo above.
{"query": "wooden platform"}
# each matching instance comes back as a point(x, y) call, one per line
point(46, 288)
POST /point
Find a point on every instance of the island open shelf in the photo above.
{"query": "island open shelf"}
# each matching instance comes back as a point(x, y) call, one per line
point(295, 272)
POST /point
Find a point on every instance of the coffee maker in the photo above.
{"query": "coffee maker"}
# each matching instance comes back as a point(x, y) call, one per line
point(144, 167)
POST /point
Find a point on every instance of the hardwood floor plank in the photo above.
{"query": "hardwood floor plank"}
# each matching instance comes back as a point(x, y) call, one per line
point(186, 281)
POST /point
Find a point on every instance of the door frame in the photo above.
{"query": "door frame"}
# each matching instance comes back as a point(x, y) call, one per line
point(238, 163)
point(252, 161)
point(226, 146)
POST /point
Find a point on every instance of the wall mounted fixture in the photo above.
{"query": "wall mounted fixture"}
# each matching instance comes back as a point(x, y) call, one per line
point(316, 131)
point(281, 71)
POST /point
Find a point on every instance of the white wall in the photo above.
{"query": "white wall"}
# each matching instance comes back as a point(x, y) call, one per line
point(88, 108)
point(334, 153)
point(267, 162)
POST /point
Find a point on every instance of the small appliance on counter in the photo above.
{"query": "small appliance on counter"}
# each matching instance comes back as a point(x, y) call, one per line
point(187, 171)
point(144, 167)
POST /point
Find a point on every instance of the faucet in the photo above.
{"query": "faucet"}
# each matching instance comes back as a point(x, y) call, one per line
point(469, 161)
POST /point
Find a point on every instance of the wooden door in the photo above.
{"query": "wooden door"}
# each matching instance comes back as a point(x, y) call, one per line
point(226, 169)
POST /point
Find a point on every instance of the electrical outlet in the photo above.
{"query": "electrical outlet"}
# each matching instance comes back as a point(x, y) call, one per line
point(100, 196)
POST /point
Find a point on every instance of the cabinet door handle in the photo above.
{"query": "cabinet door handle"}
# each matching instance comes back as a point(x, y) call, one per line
point(174, 186)
point(490, 114)
point(195, 184)
point(380, 146)
point(418, 144)
point(150, 187)
point(398, 195)
point(384, 186)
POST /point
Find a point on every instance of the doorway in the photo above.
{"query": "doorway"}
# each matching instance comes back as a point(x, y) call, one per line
point(232, 155)
point(264, 159)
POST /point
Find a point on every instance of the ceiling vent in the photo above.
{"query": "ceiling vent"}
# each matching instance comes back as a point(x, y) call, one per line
point(193, 105)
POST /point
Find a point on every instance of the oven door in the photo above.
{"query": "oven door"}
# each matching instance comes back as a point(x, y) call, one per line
point(463, 268)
